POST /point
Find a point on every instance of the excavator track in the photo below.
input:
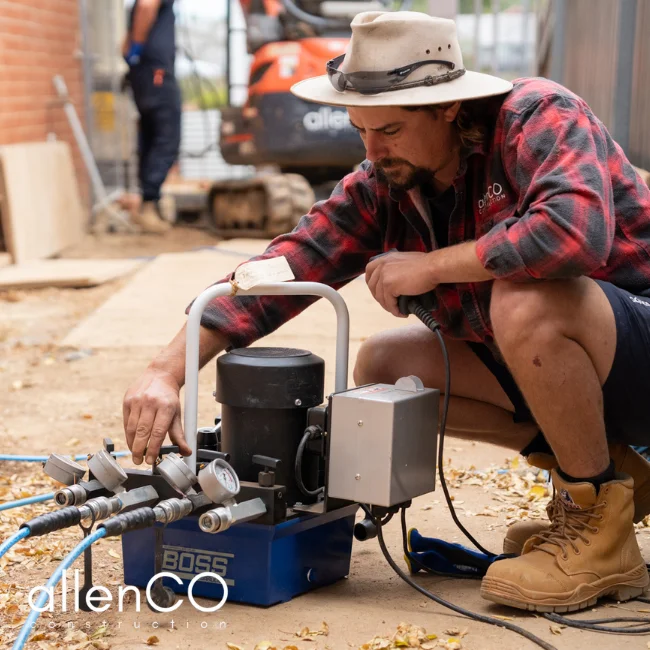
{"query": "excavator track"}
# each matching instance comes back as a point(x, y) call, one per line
point(264, 206)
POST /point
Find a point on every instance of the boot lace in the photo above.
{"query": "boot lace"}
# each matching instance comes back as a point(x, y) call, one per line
point(567, 526)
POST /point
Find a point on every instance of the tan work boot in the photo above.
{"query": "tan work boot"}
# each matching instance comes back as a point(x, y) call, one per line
point(589, 551)
point(149, 221)
point(626, 461)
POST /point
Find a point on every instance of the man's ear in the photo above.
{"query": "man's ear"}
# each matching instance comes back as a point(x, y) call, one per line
point(450, 111)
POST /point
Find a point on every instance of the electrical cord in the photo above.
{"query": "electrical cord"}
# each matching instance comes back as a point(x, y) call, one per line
point(441, 601)
point(427, 319)
point(67, 562)
point(311, 433)
point(640, 625)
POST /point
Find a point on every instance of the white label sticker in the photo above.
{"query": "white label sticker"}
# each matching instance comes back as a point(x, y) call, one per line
point(251, 274)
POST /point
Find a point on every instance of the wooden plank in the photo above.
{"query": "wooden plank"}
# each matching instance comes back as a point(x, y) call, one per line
point(64, 273)
point(41, 206)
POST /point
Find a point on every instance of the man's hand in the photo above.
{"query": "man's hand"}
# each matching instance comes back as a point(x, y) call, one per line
point(151, 409)
point(399, 274)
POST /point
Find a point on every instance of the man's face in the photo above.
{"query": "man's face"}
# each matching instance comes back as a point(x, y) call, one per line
point(407, 148)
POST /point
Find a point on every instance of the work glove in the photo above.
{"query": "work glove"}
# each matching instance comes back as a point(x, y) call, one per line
point(132, 57)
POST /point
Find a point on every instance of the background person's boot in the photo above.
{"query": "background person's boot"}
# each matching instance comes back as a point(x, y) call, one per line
point(626, 461)
point(589, 551)
point(149, 221)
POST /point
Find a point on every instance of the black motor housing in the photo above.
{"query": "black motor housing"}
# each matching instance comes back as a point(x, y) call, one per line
point(265, 394)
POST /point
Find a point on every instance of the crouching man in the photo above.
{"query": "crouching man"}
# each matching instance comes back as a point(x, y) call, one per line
point(514, 205)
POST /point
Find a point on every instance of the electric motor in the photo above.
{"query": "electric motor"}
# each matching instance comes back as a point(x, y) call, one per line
point(264, 395)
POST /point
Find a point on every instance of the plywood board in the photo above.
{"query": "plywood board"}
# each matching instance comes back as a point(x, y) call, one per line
point(41, 207)
point(150, 310)
point(64, 273)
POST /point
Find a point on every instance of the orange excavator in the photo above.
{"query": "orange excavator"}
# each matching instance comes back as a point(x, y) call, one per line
point(308, 146)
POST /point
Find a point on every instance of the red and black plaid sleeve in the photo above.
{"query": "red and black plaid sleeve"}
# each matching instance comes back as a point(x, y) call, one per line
point(556, 156)
point(331, 245)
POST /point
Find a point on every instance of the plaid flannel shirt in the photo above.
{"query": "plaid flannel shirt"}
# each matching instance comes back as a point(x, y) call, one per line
point(550, 195)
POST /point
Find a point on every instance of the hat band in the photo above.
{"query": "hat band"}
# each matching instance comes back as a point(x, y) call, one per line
point(372, 82)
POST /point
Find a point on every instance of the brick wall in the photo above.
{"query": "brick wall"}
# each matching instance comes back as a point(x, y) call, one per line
point(38, 39)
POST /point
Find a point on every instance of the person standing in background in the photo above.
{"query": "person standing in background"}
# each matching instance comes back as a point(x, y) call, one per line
point(150, 52)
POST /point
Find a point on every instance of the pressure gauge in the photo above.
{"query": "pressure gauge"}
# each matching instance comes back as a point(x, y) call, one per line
point(219, 481)
point(106, 470)
point(64, 470)
point(176, 472)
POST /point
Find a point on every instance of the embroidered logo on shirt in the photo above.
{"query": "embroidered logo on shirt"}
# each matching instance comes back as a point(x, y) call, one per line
point(493, 195)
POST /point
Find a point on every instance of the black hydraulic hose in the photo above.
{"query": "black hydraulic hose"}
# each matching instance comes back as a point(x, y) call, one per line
point(134, 520)
point(52, 521)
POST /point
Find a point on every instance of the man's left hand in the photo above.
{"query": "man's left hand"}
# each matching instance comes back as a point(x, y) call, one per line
point(399, 274)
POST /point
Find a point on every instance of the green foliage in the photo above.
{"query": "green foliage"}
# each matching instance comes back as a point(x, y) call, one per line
point(467, 6)
point(203, 93)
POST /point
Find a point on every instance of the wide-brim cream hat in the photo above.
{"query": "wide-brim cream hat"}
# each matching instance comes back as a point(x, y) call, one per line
point(400, 58)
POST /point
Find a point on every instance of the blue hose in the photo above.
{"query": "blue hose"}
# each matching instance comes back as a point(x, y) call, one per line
point(14, 539)
point(42, 459)
point(68, 560)
point(39, 498)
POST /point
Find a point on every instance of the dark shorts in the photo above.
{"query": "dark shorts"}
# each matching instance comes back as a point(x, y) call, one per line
point(626, 392)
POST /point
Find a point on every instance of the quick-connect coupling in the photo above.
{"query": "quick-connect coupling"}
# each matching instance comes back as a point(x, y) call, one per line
point(219, 519)
point(78, 494)
point(74, 495)
point(216, 520)
point(100, 508)
point(172, 510)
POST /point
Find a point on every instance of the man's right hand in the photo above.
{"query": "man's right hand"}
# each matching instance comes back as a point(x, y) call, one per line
point(152, 409)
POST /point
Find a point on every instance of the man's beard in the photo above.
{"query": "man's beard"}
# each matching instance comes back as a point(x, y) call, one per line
point(401, 174)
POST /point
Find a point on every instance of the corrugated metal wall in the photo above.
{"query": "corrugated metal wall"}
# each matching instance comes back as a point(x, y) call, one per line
point(597, 42)
point(640, 112)
point(590, 64)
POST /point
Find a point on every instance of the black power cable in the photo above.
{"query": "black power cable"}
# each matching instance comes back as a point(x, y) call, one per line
point(418, 310)
point(640, 625)
point(441, 601)
point(311, 433)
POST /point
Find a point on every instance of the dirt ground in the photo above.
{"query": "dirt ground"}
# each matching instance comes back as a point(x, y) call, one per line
point(57, 399)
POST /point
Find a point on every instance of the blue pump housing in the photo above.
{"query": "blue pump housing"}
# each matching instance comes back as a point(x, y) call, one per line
point(261, 564)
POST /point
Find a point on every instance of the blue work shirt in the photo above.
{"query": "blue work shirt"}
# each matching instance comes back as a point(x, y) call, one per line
point(160, 48)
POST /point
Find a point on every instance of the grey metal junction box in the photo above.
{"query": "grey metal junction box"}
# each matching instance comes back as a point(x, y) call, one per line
point(383, 441)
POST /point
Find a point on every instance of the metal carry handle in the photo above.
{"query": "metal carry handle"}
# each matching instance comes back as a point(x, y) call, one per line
point(275, 289)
